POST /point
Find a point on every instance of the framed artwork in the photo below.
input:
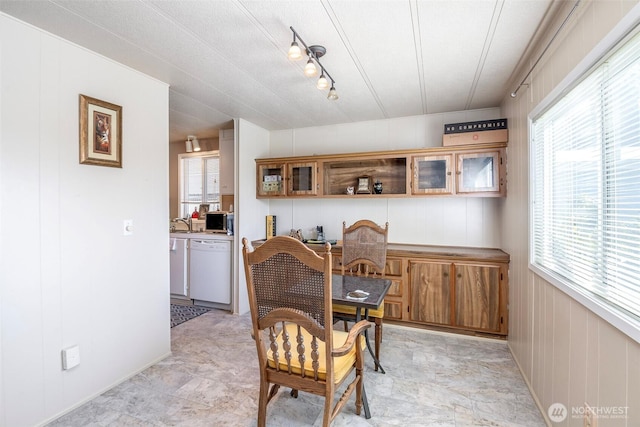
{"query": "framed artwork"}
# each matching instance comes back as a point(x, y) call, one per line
point(100, 133)
point(364, 185)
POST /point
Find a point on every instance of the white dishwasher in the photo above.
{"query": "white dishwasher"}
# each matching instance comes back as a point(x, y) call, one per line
point(210, 270)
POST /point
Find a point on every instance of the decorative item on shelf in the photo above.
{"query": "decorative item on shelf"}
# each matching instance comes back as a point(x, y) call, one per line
point(377, 187)
point(195, 214)
point(350, 190)
point(314, 53)
point(204, 208)
point(271, 226)
point(364, 185)
point(271, 183)
point(296, 234)
point(480, 132)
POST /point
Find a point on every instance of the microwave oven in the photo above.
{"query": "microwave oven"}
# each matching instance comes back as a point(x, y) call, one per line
point(219, 222)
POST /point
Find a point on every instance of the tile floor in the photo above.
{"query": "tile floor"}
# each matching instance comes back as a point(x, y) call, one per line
point(211, 379)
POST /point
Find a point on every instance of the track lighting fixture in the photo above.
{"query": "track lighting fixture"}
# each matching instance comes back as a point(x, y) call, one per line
point(314, 53)
point(192, 144)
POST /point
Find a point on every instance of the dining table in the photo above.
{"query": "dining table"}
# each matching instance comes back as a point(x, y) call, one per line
point(345, 290)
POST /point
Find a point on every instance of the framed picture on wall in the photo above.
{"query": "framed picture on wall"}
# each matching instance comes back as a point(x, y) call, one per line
point(100, 132)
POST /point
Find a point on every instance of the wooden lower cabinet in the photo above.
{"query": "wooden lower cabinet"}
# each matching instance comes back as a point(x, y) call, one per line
point(396, 297)
point(472, 297)
point(452, 288)
point(477, 297)
point(430, 292)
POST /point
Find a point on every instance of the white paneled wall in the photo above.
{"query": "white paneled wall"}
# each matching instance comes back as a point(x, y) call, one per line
point(419, 220)
point(567, 353)
point(68, 276)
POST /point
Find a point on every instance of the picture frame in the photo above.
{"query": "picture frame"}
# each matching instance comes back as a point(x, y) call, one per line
point(364, 185)
point(202, 211)
point(100, 132)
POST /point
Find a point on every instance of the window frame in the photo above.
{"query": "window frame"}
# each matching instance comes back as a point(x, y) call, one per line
point(202, 155)
point(628, 27)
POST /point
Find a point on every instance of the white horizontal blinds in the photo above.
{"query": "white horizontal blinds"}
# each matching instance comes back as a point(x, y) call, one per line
point(586, 189)
point(212, 180)
point(621, 215)
point(192, 184)
point(200, 182)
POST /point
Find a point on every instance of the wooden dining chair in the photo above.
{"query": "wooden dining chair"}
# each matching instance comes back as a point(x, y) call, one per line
point(289, 288)
point(364, 252)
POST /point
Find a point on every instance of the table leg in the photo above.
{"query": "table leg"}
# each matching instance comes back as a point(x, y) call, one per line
point(366, 339)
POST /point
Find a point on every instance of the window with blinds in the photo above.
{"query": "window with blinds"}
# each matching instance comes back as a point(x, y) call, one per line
point(199, 182)
point(585, 189)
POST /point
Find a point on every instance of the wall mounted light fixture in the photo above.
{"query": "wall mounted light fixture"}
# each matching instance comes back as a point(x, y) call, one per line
point(192, 144)
point(314, 53)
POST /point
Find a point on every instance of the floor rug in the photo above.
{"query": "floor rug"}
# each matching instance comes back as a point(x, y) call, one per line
point(182, 313)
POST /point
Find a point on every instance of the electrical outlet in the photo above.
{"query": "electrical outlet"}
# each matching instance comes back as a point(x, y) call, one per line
point(590, 417)
point(70, 357)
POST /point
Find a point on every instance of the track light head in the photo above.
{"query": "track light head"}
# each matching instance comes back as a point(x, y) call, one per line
point(333, 95)
point(295, 52)
point(323, 83)
point(192, 144)
point(310, 69)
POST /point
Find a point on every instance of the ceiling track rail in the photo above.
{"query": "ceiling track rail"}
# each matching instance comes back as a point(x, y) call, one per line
point(522, 83)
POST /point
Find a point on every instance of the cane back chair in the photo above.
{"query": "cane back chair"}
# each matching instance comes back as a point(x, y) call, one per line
point(364, 252)
point(289, 288)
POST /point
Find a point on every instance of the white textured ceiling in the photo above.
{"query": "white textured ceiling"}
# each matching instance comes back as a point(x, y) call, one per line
point(228, 58)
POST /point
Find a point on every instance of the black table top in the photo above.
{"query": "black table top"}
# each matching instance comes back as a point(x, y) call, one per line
point(377, 288)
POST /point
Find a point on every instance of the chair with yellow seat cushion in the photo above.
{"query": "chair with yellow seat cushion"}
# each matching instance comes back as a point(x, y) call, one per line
point(364, 252)
point(289, 289)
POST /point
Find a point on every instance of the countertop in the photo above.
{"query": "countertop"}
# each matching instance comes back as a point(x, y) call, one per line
point(427, 251)
point(199, 235)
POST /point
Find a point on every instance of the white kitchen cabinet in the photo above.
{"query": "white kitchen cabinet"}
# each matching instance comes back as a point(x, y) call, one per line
point(178, 267)
point(226, 144)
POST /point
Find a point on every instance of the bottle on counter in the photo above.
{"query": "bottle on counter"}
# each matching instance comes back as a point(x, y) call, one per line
point(195, 214)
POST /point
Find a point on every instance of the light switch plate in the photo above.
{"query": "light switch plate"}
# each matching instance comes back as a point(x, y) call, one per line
point(127, 227)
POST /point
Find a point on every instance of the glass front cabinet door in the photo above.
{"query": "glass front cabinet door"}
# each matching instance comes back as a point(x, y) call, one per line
point(431, 175)
point(478, 172)
point(302, 179)
point(271, 180)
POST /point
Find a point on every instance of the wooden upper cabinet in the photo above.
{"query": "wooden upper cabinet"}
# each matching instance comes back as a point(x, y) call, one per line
point(478, 170)
point(432, 174)
point(389, 171)
point(271, 180)
point(287, 179)
point(302, 179)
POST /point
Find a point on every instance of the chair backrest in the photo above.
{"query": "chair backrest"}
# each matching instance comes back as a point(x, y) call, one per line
point(364, 248)
point(288, 283)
